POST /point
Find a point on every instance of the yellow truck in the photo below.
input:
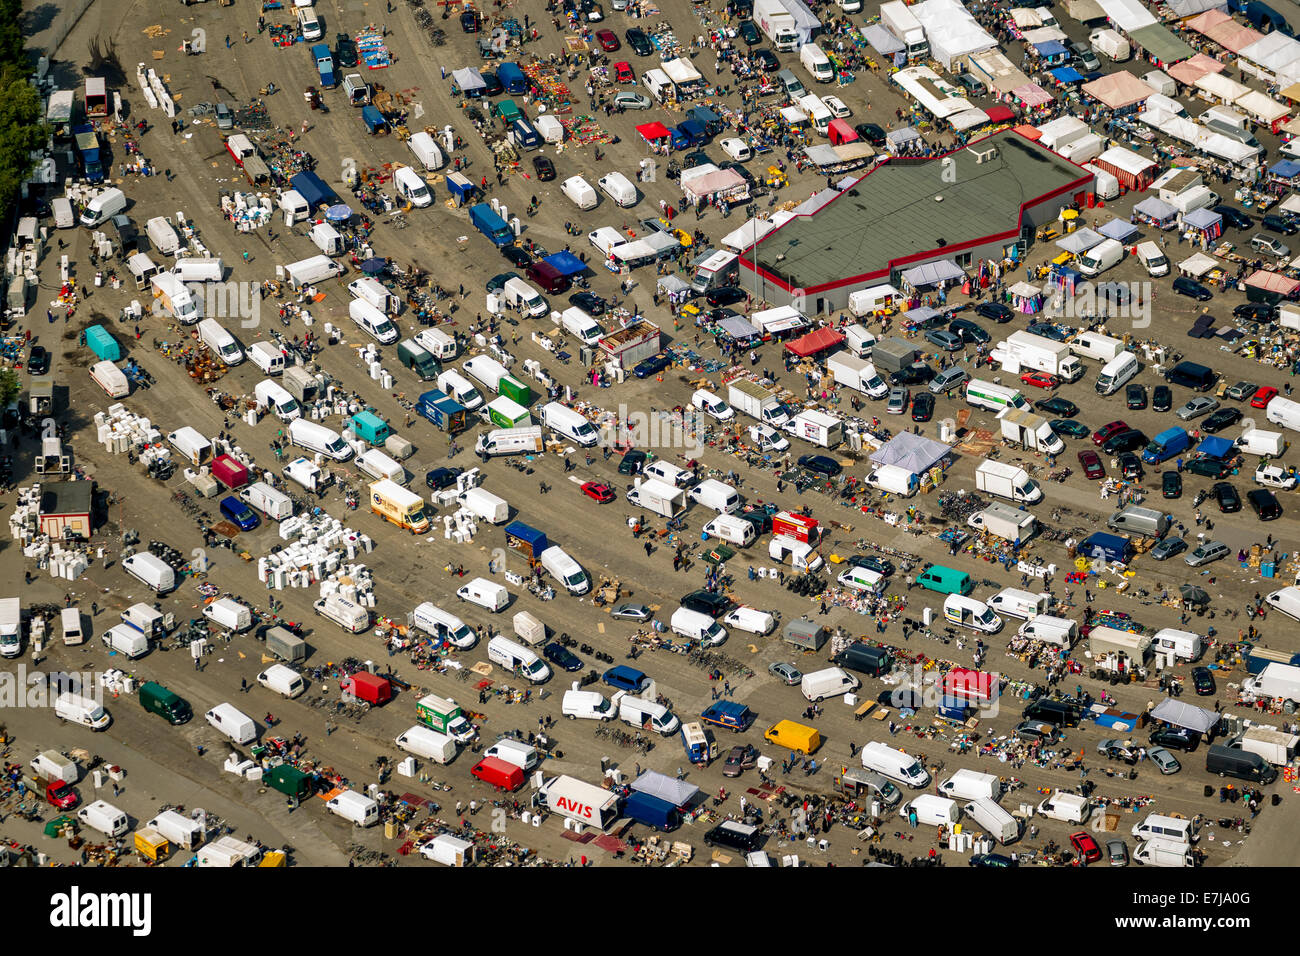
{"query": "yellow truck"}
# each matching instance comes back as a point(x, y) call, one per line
point(399, 505)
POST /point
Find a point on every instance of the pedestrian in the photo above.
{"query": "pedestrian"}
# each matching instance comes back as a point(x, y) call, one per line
point(94, 609)
point(648, 548)
point(227, 41)
point(243, 685)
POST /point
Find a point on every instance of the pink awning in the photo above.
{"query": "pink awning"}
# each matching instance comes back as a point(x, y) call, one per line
point(1272, 282)
point(1031, 94)
point(1189, 71)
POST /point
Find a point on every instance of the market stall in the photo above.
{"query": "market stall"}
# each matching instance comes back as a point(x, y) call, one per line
point(1203, 224)
point(1121, 92)
point(714, 185)
point(1119, 230)
point(933, 274)
point(1026, 298)
point(1189, 71)
point(1198, 265)
point(1133, 170)
point(815, 342)
point(1156, 212)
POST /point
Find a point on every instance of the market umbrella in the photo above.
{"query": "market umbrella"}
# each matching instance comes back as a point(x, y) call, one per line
point(1194, 595)
point(339, 213)
point(372, 267)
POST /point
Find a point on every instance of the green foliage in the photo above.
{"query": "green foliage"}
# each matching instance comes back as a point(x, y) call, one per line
point(21, 128)
point(10, 386)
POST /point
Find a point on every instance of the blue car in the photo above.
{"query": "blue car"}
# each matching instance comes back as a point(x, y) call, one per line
point(626, 678)
point(651, 366)
point(562, 657)
point(239, 514)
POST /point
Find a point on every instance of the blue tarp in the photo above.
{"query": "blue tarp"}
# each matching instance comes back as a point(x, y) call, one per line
point(1050, 48)
point(1285, 169)
point(1215, 447)
point(1119, 230)
point(1067, 74)
point(566, 263)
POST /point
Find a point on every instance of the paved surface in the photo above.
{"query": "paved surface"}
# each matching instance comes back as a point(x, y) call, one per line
point(163, 764)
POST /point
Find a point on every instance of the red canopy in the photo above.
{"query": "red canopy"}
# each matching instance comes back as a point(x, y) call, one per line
point(818, 340)
point(653, 131)
point(1000, 113)
point(1029, 132)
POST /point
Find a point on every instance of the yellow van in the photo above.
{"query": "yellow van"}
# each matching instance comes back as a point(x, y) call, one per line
point(152, 845)
point(797, 737)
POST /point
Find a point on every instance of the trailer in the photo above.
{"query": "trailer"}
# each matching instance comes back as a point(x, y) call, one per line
point(1273, 745)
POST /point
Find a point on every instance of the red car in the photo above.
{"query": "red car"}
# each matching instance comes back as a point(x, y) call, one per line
point(1040, 379)
point(1262, 397)
point(598, 491)
point(1085, 846)
point(608, 42)
point(1106, 432)
point(623, 72)
point(1090, 462)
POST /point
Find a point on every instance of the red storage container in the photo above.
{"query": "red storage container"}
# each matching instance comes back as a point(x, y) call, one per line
point(368, 687)
point(499, 773)
point(229, 472)
point(796, 526)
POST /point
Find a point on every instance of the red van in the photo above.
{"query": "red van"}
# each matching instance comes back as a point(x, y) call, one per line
point(365, 686)
point(548, 277)
point(499, 773)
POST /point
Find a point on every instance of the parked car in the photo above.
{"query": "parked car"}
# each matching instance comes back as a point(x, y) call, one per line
point(1227, 498)
point(652, 366)
point(1162, 398)
point(239, 514)
point(1116, 749)
point(1117, 853)
point(1177, 738)
point(1203, 681)
point(897, 402)
point(1130, 466)
point(707, 602)
point(1090, 462)
point(631, 612)
point(1234, 217)
point(1208, 468)
point(949, 341)
point(562, 657)
point(1058, 406)
point(1219, 419)
point(632, 462)
point(628, 100)
point(742, 757)
point(1085, 846)
point(1196, 407)
point(1263, 396)
point(1168, 547)
point(1171, 484)
point(607, 40)
point(638, 41)
point(1255, 312)
point(1108, 431)
point(1278, 224)
point(1165, 762)
point(516, 256)
point(969, 331)
point(871, 132)
point(994, 311)
point(1192, 289)
point(440, 478)
point(882, 566)
point(1241, 391)
point(922, 407)
point(820, 464)
point(544, 168)
point(749, 33)
point(598, 491)
point(588, 302)
point(1265, 504)
point(38, 360)
point(786, 673)
point(1124, 441)
point(1068, 427)
point(1206, 553)
point(766, 60)
point(1040, 379)
point(729, 295)
point(1135, 396)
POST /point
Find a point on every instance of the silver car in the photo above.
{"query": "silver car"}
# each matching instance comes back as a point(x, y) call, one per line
point(631, 612)
point(1165, 762)
point(632, 101)
point(1168, 548)
point(787, 673)
point(1196, 407)
point(1117, 852)
point(897, 401)
point(1274, 247)
point(949, 379)
point(1205, 553)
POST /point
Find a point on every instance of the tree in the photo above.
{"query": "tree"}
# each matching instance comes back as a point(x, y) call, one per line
point(10, 386)
point(21, 131)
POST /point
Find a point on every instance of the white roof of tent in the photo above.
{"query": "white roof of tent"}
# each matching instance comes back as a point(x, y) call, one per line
point(669, 789)
point(1026, 17)
point(1081, 240)
point(468, 79)
point(914, 452)
point(931, 273)
point(1198, 264)
point(1046, 35)
point(815, 202)
point(1274, 51)
point(717, 181)
point(1190, 8)
point(748, 234)
point(1261, 106)
point(881, 40)
point(1291, 203)
point(738, 327)
point(1186, 715)
point(681, 70)
point(1156, 208)
point(1158, 101)
point(1002, 73)
point(968, 119)
point(1128, 15)
point(1216, 84)
point(1125, 159)
point(1118, 229)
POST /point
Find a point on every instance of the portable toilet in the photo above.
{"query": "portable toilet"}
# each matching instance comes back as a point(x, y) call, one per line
point(102, 343)
point(370, 427)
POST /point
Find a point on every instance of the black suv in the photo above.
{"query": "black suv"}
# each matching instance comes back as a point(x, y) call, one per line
point(734, 836)
point(707, 602)
point(1175, 738)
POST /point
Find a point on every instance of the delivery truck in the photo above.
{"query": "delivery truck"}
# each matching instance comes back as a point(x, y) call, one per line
point(906, 28)
point(1275, 682)
point(658, 496)
point(1023, 351)
point(856, 373)
point(1007, 481)
point(1273, 745)
point(485, 505)
point(758, 402)
point(1029, 431)
point(510, 441)
point(445, 716)
point(399, 505)
point(1004, 521)
point(486, 221)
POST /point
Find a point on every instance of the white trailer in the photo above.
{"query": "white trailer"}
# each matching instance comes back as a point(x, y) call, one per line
point(1004, 521)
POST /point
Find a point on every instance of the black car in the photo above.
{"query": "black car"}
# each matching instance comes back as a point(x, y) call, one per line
point(1220, 418)
point(726, 296)
point(901, 697)
point(562, 657)
point(1226, 496)
point(632, 462)
point(639, 41)
point(345, 51)
point(766, 60)
point(1162, 398)
point(1135, 396)
point(491, 83)
point(1061, 407)
point(1277, 224)
point(1126, 440)
point(820, 464)
point(992, 861)
point(1234, 217)
point(1192, 288)
point(1208, 468)
point(761, 520)
point(588, 302)
point(994, 311)
point(697, 158)
point(740, 837)
point(1203, 681)
point(441, 478)
point(1175, 738)
point(969, 331)
point(38, 360)
point(651, 366)
point(1265, 504)
point(516, 256)
point(1049, 331)
point(469, 22)
point(918, 373)
point(707, 602)
point(881, 566)
point(1255, 312)
point(923, 407)
point(871, 132)
point(544, 168)
point(749, 33)
point(740, 171)
point(1171, 484)
point(1130, 465)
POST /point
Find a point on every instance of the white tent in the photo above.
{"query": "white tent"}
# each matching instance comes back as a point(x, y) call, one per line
point(679, 793)
point(969, 119)
point(748, 234)
point(468, 79)
point(936, 95)
point(916, 453)
point(1275, 54)
point(1261, 106)
point(1186, 715)
point(997, 71)
point(1190, 8)
point(1220, 87)
point(682, 72)
point(1128, 15)
point(1045, 35)
point(1081, 240)
point(1198, 264)
point(953, 33)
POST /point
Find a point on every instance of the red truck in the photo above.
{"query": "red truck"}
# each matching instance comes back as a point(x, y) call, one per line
point(57, 793)
point(499, 773)
point(374, 690)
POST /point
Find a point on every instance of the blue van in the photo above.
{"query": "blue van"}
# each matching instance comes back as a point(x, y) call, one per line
point(525, 135)
point(626, 678)
point(1110, 547)
point(713, 124)
point(689, 133)
point(1170, 442)
point(512, 78)
point(653, 812)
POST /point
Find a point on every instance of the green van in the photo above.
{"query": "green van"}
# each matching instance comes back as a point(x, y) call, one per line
point(945, 580)
point(508, 112)
point(157, 699)
point(290, 781)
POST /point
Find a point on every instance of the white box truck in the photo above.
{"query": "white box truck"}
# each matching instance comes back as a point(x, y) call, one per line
point(903, 24)
point(1007, 481)
point(1004, 521)
point(1023, 350)
point(11, 627)
point(816, 428)
point(758, 402)
point(1275, 682)
point(485, 505)
point(657, 496)
point(1032, 432)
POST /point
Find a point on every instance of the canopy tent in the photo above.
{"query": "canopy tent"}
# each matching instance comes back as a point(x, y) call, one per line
point(999, 113)
point(1287, 169)
point(921, 313)
point(1024, 290)
point(738, 327)
point(1029, 132)
point(469, 79)
point(672, 791)
point(1208, 20)
point(916, 453)
point(814, 342)
point(1261, 106)
point(952, 32)
point(932, 273)
point(1158, 101)
point(1085, 11)
point(748, 234)
point(681, 71)
point(1193, 594)
point(1231, 35)
point(900, 137)
point(1292, 92)
point(1215, 446)
point(1189, 71)
point(1118, 90)
point(1025, 18)
point(1190, 8)
point(1198, 265)
point(672, 284)
point(822, 154)
point(725, 183)
point(1119, 230)
point(1066, 74)
point(1186, 715)
point(1032, 95)
point(1130, 168)
point(1043, 34)
point(653, 132)
point(1291, 127)
point(1291, 204)
point(1182, 128)
point(815, 202)
point(968, 119)
point(1206, 221)
point(999, 72)
point(1274, 53)
point(1156, 211)
point(882, 41)
point(1081, 240)
point(793, 115)
point(1273, 282)
point(1051, 49)
point(1127, 15)
point(566, 263)
point(1221, 87)
point(1160, 45)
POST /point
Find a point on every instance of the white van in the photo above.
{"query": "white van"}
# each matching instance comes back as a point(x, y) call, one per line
point(452, 383)
point(1285, 601)
point(1050, 629)
point(645, 714)
point(53, 765)
point(437, 343)
point(162, 235)
point(999, 824)
point(522, 755)
point(894, 764)
point(732, 530)
point(816, 62)
point(514, 656)
point(579, 192)
point(316, 437)
point(308, 24)
point(374, 292)
point(969, 612)
point(81, 710)
point(750, 619)
point(230, 722)
point(443, 625)
point(173, 295)
point(828, 682)
point(712, 405)
point(269, 358)
point(411, 186)
point(61, 210)
point(125, 640)
point(282, 680)
point(199, 269)
point(151, 571)
point(1018, 603)
point(718, 495)
point(484, 593)
point(578, 323)
point(428, 744)
point(328, 239)
point(1117, 373)
point(70, 619)
point(379, 466)
point(104, 817)
point(1157, 826)
point(1066, 807)
point(619, 188)
point(1184, 645)
point(103, 207)
point(426, 150)
point(572, 425)
point(1152, 259)
point(354, 807)
point(221, 342)
point(587, 705)
point(520, 295)
point(349, 615)
point(669, 473)
point(931, 811)
point(142, 269)
point(561, 566)
point(857, 578)
point(697, 626)
point(971, 785)
point(373, 322)
point(274, 398)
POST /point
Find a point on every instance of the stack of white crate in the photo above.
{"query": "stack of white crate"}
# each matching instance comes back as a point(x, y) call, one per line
point(320, 546)
point(120, 431)
point(24, 519)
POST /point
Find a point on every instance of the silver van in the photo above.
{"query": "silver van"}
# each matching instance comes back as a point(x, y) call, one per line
point(1133, 519)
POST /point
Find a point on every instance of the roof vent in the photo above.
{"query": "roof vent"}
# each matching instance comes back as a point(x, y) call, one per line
point(938, 198)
